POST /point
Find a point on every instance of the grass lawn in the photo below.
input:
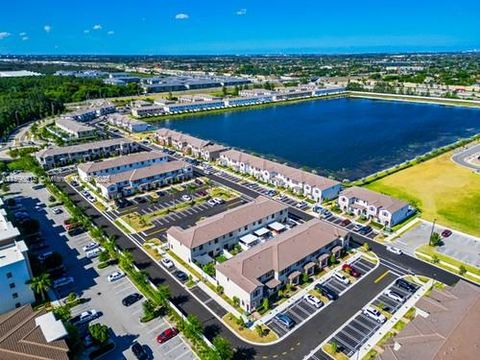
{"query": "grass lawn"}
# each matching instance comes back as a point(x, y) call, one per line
point(428, 250)
point(248, 334)
point(441, 189)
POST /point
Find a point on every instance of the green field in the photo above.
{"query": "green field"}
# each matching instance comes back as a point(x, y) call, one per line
point(441, 189)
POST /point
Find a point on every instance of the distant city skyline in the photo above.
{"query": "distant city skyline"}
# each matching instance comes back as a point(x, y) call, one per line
point(237, 27)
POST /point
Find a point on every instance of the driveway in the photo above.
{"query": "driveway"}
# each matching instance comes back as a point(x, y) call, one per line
point(460, 246)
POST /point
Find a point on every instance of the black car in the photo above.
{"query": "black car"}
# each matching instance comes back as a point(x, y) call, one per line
point(405, 285)
point(180, 275)
point(76, 231)
point(131, 299)
point(365, 230)
point(326, 291)
point(139, 351)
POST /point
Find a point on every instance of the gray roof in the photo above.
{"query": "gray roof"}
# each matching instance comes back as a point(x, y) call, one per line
point(73, 125)
point(121, 161)
point(225, 222)
point(374, 198)
point(184, 138)
point(145, 172)
point(82, 147)
point(278, 254)
point(295, 174)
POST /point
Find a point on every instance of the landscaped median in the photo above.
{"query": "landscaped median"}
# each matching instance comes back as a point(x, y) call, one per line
point(261, 334)
point(428, 253)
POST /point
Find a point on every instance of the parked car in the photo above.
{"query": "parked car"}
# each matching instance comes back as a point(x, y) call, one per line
point(115, 276)
point(342, 278)
point(167, 263)
point(131, 299)
point(285, 320)
point(365, 230)
point(312, 300)
point(446, 233)
point(326, 214)
point(394, 295)
point(301, 204)
point(94, 253)
point(140, 199)
point(74, 183)
point(394, 250)
point(345, 222)
point(167, 335)
point(202, 193)
point(90, 246)
point(57, 211)
point(62, 282)
point(76, 231)
point(357, 227)
point(42, 257)
point(218, 200)
point(326, 291)
point(186, 197)
point(374, 314)
point(401, 283)
point(318, 209)
point(351, 270)
point(139, 351)
point(86, 317)
point(212, 202)
point(180, 275)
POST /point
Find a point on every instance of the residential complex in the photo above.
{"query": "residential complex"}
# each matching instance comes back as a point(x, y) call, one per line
point(117, 165)
point(126, 123)
point(210, 237)
point(314, 186)
point(32, 334)
point(58, 156)
point(129, 182)
point(98, 108)
point(15, 269)
point(383, 209)
point(262, 270)
point(188, 144)
point(74, 128)
point(178, 83)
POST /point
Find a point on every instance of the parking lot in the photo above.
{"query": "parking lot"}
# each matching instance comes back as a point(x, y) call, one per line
point(359, 329)
point(92, 284)
point(351, 226)
point(301, 310)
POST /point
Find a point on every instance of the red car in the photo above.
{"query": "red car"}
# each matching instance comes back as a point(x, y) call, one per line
point(345, 222)
point(167, 335)
point(351, 270)
point(446, 233)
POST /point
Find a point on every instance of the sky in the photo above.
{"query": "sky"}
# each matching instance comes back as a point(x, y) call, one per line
point(170, 27)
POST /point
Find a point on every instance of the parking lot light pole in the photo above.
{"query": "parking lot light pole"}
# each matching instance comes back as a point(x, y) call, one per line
point(431, 233)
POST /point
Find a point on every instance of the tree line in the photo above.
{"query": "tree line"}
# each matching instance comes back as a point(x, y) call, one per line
point(23, 99)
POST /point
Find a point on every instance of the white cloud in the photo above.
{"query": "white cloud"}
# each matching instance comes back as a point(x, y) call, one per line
point(4, 35)
point(97, 27)
point(86, 31)
point(25, 38)
point(111, 32)
point(23, 34)
point(47, 28)
point(181, 16)
point(241, 12)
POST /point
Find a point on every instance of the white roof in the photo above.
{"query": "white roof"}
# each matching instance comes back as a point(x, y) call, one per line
point(52, 328)
point(13, 253)
point(248, 239)
point(7, 230)
point(276, 226)
point(262, 231)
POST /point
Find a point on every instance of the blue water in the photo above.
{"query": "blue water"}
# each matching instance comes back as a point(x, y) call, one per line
point(346, 138)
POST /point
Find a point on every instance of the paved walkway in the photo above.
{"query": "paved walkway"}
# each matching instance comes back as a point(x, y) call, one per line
point(466, 157)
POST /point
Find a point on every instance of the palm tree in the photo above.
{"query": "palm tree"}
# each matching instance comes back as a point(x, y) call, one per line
point(163, 295)
point(126, 260)
point(40, 284)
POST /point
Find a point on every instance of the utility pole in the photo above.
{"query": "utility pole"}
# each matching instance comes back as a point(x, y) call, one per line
point(431, 233)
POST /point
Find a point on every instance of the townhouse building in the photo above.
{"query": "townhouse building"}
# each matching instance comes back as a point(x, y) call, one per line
point(251, 100)
point(194, 106)
point(130, 182)
point(117, 165)
point(74, 128)
point(264, 269)
point(209, 237)
point(60, 156)
point(81, 115)
point(301, 182)
point(149, 110)
point(383, 209)
point(15, 270)
point(126, 123)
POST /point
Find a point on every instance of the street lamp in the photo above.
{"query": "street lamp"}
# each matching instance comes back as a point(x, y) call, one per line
point(431, 233)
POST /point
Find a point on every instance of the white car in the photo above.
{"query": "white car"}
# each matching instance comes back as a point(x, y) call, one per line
point(94, 253)
point(62, 282)
point(312, 300)
point(218, 200)
point(394, 250)
point(87, 316)
point(212, 202)
point(186, 197)
point(167, 263)
point(374, 314)
point(57, 211)
point(394, 296)
point(342, 278)
point(90, 246)
point(115, 276)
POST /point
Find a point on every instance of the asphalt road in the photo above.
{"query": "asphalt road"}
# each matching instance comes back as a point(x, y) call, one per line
point(460, 157)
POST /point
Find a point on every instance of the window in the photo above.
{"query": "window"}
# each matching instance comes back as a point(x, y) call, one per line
point(9, 275)
point(14, 295)
point(12, 285)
